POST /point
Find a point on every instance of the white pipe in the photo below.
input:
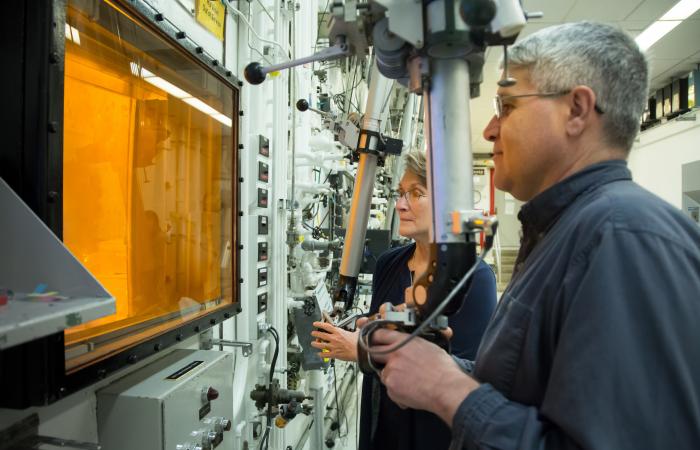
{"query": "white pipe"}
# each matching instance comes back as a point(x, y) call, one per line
point(263, 367)
point(316, 380)
point(238, 435)
point(242, 17)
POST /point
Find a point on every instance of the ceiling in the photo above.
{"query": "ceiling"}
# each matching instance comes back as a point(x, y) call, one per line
point(675, 54)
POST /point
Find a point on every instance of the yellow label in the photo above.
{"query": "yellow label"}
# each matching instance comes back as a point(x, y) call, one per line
point(211, 14)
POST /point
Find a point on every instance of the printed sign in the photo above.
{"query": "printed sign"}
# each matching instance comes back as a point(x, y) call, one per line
point(211, 14)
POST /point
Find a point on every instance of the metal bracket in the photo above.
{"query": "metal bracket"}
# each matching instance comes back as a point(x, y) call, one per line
point(246, 347)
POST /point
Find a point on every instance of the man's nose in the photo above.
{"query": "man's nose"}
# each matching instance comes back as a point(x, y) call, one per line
point(492, 129)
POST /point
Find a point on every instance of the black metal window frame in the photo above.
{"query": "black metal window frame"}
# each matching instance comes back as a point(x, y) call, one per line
point(33, 36)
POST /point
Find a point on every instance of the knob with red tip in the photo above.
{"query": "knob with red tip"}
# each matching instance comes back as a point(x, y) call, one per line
point(209, 394)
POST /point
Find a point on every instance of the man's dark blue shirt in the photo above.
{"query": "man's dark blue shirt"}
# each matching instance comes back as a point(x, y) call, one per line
point(596, 341)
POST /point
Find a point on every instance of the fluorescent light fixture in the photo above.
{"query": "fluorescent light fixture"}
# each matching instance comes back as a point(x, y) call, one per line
point(175, 91)
point(682, 10)
point(673, 17)
point(68, 36)
point(654, 32)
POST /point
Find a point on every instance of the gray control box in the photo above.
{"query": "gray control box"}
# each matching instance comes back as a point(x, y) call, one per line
point(181, 401)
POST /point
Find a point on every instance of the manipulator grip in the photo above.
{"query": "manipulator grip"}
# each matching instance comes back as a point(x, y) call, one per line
point(344, 294)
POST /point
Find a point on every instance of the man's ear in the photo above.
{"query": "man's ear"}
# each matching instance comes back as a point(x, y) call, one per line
point(581, 110)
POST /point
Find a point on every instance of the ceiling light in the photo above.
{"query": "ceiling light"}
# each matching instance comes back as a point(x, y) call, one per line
point(682, 10)
point(654, 32)
point(670, 20)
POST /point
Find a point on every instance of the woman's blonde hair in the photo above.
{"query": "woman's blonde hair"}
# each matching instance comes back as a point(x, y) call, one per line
point(416, 164)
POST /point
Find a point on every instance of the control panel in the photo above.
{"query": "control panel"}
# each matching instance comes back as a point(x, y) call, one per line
point(262, 276)
point(262, 225)
point(262, 251)
point(263, 203)
point(263, 172)
point(262, 302)
point(182, 401)
point(262, 198)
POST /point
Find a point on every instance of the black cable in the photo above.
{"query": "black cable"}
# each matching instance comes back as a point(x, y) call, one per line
point(266, 437)
point(275, 335)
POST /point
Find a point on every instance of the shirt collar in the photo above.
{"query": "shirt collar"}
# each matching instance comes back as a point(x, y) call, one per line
point(539, 213)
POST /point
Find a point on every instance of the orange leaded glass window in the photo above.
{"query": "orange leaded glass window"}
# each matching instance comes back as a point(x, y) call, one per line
point(147, 177)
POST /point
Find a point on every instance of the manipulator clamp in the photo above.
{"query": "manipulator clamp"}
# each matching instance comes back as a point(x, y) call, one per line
point(426, 319)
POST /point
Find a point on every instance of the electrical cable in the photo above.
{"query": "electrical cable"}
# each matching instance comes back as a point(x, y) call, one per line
point(266, 437)
point(286, 51)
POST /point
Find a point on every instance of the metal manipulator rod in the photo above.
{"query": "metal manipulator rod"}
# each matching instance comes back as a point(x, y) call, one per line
point(255, 73)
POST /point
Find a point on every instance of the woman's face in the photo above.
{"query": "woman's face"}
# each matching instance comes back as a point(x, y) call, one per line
point(413, 206)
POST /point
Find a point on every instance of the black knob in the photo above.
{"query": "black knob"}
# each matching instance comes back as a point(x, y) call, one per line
point(302, 105)
point(253, 73)
point(477, 13)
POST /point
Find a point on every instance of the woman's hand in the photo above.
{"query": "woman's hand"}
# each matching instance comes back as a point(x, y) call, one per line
point(341, 344)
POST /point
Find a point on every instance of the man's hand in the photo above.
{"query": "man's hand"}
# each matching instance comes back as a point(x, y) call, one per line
point(421, 375)
point(341, 344)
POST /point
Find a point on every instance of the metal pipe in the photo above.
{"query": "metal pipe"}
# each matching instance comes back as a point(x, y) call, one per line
point(449, 131)
point(379, 89)
point(316, 379)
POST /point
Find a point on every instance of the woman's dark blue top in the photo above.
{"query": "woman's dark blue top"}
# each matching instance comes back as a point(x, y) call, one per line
point(385, 426)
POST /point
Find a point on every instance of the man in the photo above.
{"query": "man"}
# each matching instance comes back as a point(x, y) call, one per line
point(596, 341)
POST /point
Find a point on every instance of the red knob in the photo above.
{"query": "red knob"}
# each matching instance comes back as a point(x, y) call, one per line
point(212, 394)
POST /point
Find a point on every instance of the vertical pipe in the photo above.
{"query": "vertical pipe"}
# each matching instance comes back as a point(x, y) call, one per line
point(316, 380)
point(449, 148)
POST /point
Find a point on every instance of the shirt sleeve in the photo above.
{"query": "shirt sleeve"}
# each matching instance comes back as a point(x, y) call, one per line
point(466, 365)
point(625, 371)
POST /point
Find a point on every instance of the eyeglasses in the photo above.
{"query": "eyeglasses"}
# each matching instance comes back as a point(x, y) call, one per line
point(503, 109)
point(411, 197)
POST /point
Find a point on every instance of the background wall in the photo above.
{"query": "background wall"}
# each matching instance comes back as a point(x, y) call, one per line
point(657, 157)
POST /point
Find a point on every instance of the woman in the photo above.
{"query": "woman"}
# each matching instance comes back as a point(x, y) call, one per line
point(383, 424)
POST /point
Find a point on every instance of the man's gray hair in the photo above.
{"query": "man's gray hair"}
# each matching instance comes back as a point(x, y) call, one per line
point(596, 55)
